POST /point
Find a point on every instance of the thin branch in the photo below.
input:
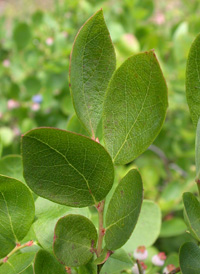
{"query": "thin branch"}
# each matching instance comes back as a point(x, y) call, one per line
point(176, 270)
point(100, 208)
point(15, 249)
point(139, 267)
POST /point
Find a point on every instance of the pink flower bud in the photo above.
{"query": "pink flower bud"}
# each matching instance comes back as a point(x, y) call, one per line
point(49, 41)
point(6, 63)
point(159, 259)
point(168, 269)
point(35, 107)
point(11, 104)
point(140, 253)
point(135, 269)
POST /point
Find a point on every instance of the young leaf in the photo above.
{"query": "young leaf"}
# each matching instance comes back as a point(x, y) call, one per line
point(117, 262)
point(17, 263)
point(192, 213)
point(193, 80)
point(16, 214)
point(147, 228)
point(123, 210)
point(135, 107)
point(11, 166)
point(92, 65)
point(189, 257)
point(65, 167)
point(74, 240)
point(46, 263)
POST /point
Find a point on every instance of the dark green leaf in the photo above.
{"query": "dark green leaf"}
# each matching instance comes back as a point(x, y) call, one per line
point(45, 263)
point(89, 268)
point(92, 65)
point(65, 167)
point(192, 213)
point(16, 215)
point(193, 80)
point(197, 154)
point(190, 258)
point(117, 262)
point(22, 35)
point(16, 264)
point(135, 107)
point(75, 237)
point(123, 210)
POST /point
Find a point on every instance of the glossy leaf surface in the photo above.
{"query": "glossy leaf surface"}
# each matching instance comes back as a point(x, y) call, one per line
point(16, 214)
point(65, 167)
point(75, 237)
point(135, 107)
point(123, 210)
point(92, 65)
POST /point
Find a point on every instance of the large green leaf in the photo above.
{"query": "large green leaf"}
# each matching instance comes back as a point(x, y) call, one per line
point(16, 264)
point(192, 213)
point(45, 263)
point(75, 238)
point(148, 227)
point(123, 210)
point(193, 80)
point(92, 65)
point(11, 165)
point(172, 227)
point(89, 268)
point(189, 257)
point(22, 35)
point(117, 262)
point(16, 214)
point(65, 167)
point(135, 107)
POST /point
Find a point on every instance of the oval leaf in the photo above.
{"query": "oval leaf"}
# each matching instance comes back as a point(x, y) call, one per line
point(192, 213)
point(75, 238)
point(193, 80)
point(148, 227)
point(197, 155)
point(135, 107)
point(123, 210)
point(92, 65)
point(65, 167)
point(16, 214)
point(46, 263)
point(190, 258)
point(16, 264)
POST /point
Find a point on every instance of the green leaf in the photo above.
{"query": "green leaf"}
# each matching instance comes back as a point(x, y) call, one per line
point(74, 125)
point(193, 80)
point(11, 166)
point(16, 264)
point(75, 237)
point(92, 65)
point(89, 268)
point(148, 226)
point(123, 210)
point(46, 263)
point(65, 167)
point(47, 214)
point(135, 107)
point(173, 227)
point(189, 257)
point(192, 213)
point(22, 35)
point(16, 215)
point(117, 262)
point(197, 155)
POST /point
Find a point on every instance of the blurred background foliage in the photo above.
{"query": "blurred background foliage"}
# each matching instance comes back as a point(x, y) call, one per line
point(36, 39)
